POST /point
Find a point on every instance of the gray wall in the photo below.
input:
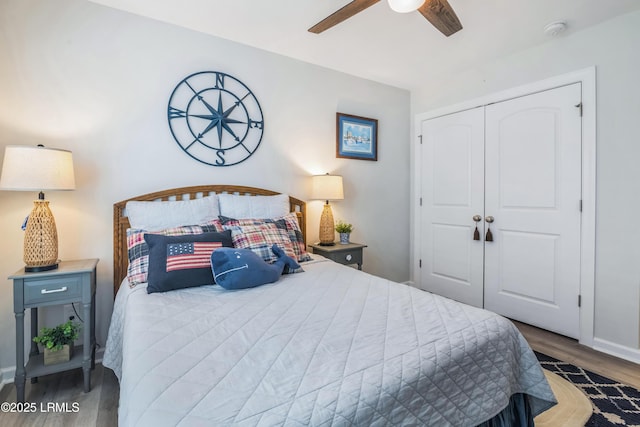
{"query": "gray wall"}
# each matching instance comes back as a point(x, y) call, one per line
point(83, 77)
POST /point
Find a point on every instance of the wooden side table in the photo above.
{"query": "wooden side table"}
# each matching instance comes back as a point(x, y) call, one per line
point(351, 253)
point(72, 281)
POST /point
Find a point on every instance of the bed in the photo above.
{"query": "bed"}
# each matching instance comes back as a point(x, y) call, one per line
point(329, 346)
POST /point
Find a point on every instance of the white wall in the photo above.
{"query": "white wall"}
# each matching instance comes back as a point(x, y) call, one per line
point(613, 48)
point(83, 77)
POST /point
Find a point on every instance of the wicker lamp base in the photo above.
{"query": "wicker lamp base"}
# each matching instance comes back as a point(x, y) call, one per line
point(327, 226)
point(41, 239)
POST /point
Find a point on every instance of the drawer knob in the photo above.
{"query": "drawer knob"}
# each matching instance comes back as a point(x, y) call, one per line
point(348, 257)
point(53, 291)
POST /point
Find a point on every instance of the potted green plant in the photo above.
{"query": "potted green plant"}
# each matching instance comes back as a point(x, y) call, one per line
point(345, 230)
point(58, 342)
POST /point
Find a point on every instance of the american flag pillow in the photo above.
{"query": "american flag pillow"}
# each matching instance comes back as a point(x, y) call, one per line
point(188, 255)
point(138, 250)
point(177, 262)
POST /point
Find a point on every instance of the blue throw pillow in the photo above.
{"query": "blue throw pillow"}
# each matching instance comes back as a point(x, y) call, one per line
point(242, 268)
point(177, 262)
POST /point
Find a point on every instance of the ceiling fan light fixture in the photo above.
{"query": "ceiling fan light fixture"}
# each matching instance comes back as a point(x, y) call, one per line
point(405, 6)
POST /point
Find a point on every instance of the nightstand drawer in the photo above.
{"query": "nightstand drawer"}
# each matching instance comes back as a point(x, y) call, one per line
point(51, 290)
point(347, 257)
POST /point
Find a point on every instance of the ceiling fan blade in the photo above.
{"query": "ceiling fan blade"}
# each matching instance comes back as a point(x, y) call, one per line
point(441, 16)
point(343, 14)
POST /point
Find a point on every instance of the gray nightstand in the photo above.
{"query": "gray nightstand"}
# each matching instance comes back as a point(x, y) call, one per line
point(351, 253)
point(72, 281)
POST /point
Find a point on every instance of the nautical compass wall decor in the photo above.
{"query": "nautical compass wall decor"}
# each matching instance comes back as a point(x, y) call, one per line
point(215, 118)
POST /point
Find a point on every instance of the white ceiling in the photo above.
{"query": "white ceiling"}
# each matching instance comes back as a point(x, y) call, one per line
point(379, 44)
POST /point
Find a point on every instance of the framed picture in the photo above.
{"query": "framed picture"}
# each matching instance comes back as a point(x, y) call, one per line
point(357, 137)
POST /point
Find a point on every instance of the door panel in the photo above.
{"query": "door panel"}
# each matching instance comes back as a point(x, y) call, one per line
point(451, 259)
point(527, 265)
point(453, 192)
point(533, 190)
point(530, 159)
point(451, 152)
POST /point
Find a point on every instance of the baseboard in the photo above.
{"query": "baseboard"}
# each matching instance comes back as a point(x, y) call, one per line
point(617, 350)
point(99, 354)
point(8, 374)
point(409, 283)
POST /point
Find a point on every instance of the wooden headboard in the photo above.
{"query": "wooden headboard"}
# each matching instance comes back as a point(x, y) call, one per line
point(121, 222)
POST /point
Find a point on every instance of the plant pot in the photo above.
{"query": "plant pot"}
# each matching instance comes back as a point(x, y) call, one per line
point(52, 357)
point(344, 238)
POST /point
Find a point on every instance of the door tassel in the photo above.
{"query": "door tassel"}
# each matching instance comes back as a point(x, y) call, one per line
point(489, 237)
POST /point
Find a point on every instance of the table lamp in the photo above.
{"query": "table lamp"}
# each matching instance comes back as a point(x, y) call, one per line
point(29, 168)
point(327, 187)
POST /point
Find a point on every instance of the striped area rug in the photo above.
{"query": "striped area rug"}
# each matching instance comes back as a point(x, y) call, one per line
point(614, 404)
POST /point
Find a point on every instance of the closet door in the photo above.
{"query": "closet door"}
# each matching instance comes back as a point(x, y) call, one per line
point(533, 191)
point(452, 194)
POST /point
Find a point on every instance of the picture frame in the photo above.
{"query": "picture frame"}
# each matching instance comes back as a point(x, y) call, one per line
point(356, 137)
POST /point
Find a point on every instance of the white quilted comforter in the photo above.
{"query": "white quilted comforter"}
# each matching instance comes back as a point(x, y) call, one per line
point(330, 346)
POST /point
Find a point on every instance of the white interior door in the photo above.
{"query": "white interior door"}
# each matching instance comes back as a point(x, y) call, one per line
point(533, 192)
point(452, 193)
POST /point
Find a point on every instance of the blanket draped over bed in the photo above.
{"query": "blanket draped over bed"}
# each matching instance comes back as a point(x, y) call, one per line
point(330, 346)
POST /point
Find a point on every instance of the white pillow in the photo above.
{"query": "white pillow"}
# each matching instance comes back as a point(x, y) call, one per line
point(160, 215)
point(242, 207)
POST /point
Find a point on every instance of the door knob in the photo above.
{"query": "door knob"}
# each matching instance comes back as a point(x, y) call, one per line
point(489, 219)
point(477, 218)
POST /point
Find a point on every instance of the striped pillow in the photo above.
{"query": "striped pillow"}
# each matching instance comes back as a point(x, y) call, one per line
point(288, 222)
point(260, 238)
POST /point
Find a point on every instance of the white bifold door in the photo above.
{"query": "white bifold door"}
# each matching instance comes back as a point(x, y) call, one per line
point(452, 194)
point(500, 216)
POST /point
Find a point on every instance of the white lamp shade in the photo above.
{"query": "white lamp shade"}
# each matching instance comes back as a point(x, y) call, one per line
point(405, 6)
point(327, 187)
point(36, 168)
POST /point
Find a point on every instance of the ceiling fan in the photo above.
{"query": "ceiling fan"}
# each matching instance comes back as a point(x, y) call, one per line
point(438, 12)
